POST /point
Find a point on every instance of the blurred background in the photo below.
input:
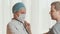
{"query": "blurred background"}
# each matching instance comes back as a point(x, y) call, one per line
point(37, 14)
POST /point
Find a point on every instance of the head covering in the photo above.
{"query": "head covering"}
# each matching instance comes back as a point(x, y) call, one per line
point(17, 7)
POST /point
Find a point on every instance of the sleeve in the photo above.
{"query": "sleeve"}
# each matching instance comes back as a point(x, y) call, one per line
point(8, 30)
point(51, 31)
point(11, 29)
point(56, 30)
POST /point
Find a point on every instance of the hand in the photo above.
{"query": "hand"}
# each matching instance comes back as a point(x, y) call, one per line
point(45, 33)
point(28, 27)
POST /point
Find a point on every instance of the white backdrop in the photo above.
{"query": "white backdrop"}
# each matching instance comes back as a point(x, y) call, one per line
point(1, 17)
point(37, 14)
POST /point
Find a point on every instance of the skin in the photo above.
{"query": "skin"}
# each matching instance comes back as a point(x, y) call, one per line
point(22, 11)
point(28, 27)
point(55, 15)
point(16, 15)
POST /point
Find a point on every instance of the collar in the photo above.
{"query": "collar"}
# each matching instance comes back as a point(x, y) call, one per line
point(22, 21)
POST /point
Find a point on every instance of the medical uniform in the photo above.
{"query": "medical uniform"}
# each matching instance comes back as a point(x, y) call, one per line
point(17, 27)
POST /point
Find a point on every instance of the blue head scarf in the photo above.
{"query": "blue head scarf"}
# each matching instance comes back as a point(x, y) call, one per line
point(17, 7)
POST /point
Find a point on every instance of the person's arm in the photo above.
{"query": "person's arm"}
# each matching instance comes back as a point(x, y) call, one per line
point(45, 33)
point(8, 30)
point(28, 27)
point(11, 29)
point(50, 32)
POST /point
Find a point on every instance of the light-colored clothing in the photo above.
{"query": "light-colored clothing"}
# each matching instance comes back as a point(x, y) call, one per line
point(55, 29)
point(17, 27)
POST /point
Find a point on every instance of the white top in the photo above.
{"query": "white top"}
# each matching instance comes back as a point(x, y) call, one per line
point(17, 27)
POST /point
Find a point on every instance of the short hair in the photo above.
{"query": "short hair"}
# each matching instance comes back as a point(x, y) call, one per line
point(56, 4)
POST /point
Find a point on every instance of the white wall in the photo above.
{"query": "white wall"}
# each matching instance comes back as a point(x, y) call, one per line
point(1, 17)
point(34, 16)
